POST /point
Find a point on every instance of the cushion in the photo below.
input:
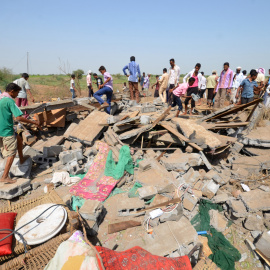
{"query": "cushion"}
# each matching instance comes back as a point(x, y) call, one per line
point(6, 222)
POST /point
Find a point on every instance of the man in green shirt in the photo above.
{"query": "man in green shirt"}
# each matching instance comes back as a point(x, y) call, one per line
point(9, 141)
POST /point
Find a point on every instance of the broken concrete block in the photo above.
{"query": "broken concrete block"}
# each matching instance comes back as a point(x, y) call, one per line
point(128, 206)
point(76, 145)
point(74, 168)
point(263, 244)
point(14, 190)
point(209, 189)
point(71, 116)
point(44, 160)
point(182, 230)
point(67, 145)
point(172, 215)
point(91, 209)
point(189, 149)
point(182, 162)
point(148, 108)
point(238, 208)
point(213, 175)
point(191, 176)
point(237, 147)
point(189, 202)
point(254, 223)
point(217, 220)
point(67, 156)
point(52, 151)
point(256, 200)
point(29, 151)
point(17, 169)
point(147, 192)
point(220, 198)
point(145, 165)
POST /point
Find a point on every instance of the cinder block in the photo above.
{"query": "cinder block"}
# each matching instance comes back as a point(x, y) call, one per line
point(67, 156)
point(52, 151)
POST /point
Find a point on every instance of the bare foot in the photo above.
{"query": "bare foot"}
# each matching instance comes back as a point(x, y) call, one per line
point(24, 159)
point(185, 113)
point(7, 180)
point(191, 113)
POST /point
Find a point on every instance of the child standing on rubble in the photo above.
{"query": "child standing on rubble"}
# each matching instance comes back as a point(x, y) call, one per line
point(9, 140)
point(72, 86)
point(105, 89)
point(180, 91)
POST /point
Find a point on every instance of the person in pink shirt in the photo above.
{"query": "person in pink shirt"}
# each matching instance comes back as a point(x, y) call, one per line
point(224, 85)
point(89, 84)
point(180, 91)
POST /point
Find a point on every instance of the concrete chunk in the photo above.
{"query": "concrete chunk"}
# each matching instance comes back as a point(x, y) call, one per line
point(254, 223)
point(209, 189)
point(14, 190)
point(147, 192)
point(238, 208)
point(189, 202)
point(91, 209)
point(67, 156)
point(256, 200)
point(263, 244)
point(52, 151)
point(217, 220)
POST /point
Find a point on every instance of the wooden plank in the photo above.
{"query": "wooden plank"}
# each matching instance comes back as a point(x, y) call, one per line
point(236, 109)
point(229, 125)
point(181, 137)
point(89, 130)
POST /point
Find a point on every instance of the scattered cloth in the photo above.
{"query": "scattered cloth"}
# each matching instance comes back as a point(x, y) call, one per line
point(74, 253)
point(76, 201)
point(95, 185)
point(125, 163)
point(138, 258)
point(64, 178)
point(224, 254)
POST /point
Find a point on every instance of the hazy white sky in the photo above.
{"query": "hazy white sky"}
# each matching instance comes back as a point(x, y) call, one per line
point(87, 34)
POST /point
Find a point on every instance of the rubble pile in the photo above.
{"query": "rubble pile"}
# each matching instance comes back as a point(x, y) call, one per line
point(221, 157)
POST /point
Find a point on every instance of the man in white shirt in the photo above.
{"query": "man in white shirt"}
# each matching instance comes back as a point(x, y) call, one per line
point(237, 79)
point(202, 87)
point(174, 75)
point(21, 99)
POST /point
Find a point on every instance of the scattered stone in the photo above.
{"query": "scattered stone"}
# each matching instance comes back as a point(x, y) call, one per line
point(220, 198)
point(254, 223)
point(147, 192)
point(189, 202)
point(256, 200)
point(52, 151)
point(209, 189)
point(91, 210)
point(172, 215)
point(68, 156)
point(217, 220)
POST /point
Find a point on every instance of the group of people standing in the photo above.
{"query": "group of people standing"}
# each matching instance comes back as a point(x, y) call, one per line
point(235, 87)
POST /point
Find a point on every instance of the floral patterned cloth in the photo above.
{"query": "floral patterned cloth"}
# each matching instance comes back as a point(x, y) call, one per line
point(137, 258)
point(95, 185)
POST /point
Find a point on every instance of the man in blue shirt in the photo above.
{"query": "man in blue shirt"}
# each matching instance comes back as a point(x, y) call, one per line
point(134, 72)
point(247, 88)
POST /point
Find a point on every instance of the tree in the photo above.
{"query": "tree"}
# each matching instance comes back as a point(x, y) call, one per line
point(78, 73)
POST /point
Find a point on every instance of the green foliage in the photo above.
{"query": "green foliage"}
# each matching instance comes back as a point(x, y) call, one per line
point(6, 77)
point(78, 73)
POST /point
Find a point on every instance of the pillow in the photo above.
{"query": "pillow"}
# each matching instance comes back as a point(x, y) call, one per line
point(6, 222)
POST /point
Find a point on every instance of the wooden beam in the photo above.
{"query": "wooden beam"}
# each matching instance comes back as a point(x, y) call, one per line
point(181, 137)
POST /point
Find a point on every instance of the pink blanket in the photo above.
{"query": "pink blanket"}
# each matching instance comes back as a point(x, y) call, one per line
point(95, 185)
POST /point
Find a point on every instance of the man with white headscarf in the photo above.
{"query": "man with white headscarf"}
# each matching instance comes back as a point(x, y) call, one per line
point(237, 79)
point(89, 84)
point(260, 81)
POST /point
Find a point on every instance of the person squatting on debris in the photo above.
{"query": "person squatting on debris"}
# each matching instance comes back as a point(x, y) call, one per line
point(9, 140)
point(22, 99)
point(156, 93)
point(192, 89)
point(73, 90)
point(163, 85)
point(224, 85)
point(134, 72)
point(179, 92)
point(211, 85)
point(105, 89)
point(174, 75)
point(247, 88)
point(202, 88)
point(89, 84)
